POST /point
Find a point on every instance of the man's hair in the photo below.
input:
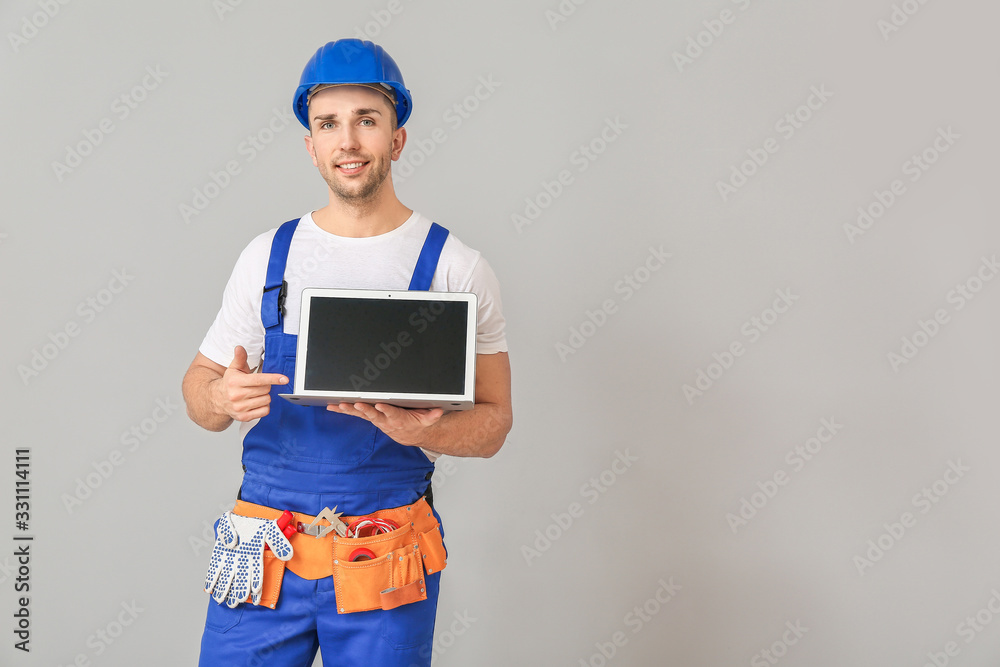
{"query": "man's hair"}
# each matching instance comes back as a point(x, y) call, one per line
point(392, 114)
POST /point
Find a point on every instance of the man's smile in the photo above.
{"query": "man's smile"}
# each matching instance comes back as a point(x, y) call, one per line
point(351, 167)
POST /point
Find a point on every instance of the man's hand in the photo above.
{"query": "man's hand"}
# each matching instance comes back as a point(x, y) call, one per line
point(407, 426)
point(242, 394)
point(480, 431)
point(215, 395)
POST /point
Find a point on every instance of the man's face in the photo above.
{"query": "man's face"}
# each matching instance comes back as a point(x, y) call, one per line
point(352, 141)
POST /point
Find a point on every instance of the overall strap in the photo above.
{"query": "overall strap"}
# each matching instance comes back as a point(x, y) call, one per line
point(275, 287)
point(423, 272)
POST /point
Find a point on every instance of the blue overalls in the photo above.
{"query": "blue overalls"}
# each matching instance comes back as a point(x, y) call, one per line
point(305, 459)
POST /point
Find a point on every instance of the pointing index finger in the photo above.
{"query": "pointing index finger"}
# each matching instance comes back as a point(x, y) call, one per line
point(266, 378)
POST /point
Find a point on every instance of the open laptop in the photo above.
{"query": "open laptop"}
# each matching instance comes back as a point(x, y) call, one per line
point(413, 349)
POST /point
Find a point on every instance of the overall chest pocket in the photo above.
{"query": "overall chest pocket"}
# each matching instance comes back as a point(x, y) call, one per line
point(315, 434)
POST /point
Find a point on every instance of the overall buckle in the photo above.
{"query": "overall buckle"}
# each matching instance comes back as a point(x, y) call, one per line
point(283, 287)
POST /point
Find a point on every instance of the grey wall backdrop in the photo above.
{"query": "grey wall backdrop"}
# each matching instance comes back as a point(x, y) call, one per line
point(748, 256)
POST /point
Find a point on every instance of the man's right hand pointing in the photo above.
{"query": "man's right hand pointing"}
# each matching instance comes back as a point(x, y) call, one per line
point(242, 394)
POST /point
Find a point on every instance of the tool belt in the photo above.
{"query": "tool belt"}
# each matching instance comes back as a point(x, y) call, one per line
point(393, 576)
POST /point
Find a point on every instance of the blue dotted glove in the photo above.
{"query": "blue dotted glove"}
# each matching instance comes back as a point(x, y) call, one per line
point(237, 567)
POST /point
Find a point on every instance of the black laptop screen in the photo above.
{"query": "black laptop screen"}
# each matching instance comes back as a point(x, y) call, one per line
point(386, 345)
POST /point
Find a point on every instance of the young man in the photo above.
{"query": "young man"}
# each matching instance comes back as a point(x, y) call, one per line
point(278, 596)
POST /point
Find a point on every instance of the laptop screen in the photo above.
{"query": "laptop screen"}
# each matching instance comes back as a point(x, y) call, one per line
point(386, 345)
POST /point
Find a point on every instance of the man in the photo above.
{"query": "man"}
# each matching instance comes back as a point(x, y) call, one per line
point(280, 607)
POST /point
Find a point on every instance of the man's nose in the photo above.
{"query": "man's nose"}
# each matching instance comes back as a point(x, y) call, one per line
point(349, 139)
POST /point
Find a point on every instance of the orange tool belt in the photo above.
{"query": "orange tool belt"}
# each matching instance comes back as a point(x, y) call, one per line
point(394, 577)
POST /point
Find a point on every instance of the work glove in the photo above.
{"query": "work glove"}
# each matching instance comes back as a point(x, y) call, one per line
point(237, 567)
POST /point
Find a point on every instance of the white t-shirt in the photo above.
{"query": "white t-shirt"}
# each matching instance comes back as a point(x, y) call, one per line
point(318, 258)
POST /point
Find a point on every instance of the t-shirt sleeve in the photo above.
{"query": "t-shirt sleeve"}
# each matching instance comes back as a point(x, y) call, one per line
point(490, 324)
point(238, 321)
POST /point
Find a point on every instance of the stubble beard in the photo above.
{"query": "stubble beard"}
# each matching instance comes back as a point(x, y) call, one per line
point(362, 195)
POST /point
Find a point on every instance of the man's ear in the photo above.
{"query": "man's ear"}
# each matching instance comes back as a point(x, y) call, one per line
point(311, 149)
point(398, 141)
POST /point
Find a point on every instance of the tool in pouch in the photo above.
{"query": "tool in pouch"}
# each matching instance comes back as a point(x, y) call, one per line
point(378, 561)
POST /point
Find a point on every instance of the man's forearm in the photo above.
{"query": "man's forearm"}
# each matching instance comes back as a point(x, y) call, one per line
point(477, 432)
point(202, 407)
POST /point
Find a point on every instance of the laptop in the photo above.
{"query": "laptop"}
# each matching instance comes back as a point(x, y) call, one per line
point(412, 349)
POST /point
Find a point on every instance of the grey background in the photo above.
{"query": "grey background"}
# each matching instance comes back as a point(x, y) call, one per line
point(140, 537)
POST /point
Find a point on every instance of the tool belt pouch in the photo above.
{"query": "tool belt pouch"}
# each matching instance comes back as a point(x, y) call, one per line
point(395, 576)
point(274, 572)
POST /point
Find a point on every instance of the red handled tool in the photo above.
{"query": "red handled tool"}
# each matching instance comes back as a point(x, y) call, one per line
point(285, 525)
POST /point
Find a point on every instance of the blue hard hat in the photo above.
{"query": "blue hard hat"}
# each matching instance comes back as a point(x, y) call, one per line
point(348, 61)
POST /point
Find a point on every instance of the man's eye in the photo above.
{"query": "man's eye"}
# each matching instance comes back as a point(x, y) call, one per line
point(326, 126)
point(369, 121)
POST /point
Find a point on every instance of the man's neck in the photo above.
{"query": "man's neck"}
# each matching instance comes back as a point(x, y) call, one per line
point(375, 218)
